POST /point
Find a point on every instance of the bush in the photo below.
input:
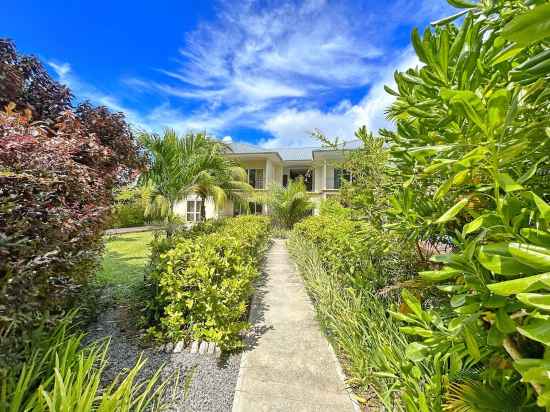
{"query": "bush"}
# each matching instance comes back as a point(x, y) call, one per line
point(365, 338)
point(472, 140)
point(129, 210)
point(204, 283)
point(366, 257)
point(57, 171)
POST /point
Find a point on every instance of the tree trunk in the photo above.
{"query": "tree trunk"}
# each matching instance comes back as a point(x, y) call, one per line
point(170, 227)
point(203, 208)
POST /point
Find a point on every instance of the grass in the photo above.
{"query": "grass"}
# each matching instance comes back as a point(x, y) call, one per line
point(123, 263)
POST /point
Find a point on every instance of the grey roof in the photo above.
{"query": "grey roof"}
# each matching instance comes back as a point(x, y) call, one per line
point(290, 153)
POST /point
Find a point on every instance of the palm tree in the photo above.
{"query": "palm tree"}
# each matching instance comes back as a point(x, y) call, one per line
point(290, 204)
point(194, 163)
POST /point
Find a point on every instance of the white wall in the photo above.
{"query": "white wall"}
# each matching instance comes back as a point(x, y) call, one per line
point(180, 208)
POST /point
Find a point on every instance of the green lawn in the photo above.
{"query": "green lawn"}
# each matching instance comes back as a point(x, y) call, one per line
point(123, 263)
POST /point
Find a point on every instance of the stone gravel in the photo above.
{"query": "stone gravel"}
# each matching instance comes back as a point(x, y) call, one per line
point(205, 382)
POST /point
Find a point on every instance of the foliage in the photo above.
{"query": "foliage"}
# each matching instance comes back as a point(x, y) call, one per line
point(194, 163)
point(63, 374)
point(204, 283)
point(369, 192)
point(288, 205)
point(356, 322)
point(472, 140)
point(130, 208)
point(26, 83)
point(57, 171)
point(364, 256)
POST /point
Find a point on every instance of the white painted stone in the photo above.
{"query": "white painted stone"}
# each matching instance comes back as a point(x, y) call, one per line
point(203, 347)
point(179, 347)
point(169, 346)
point(211, 348)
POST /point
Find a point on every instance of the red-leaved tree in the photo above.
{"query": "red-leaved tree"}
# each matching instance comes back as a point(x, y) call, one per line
point(58, 168)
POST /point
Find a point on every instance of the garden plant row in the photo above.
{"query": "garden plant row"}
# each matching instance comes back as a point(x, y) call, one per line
point(465, 175)
point(203, 280)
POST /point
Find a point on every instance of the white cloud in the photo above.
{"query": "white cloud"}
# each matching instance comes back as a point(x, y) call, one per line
point(294, 127)
point(270, 65)
point(85, 91)
point(227, 139)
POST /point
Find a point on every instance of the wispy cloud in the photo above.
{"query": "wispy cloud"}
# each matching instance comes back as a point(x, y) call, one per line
point(293, 127)
point(267, 65)
point(86, 91)
point(284, 67)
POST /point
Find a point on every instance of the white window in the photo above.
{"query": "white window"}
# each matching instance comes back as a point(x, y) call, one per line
point(256, 178)
point(194, 210)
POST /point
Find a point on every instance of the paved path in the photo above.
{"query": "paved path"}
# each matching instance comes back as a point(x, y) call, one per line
point(289, 365)
point(134, 229)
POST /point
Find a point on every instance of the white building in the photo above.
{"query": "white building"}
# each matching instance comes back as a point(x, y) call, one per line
point(318, 167)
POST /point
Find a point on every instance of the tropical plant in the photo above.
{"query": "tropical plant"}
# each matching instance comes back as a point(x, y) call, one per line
point(288, 205)
point(63, 374)
point(58, 168)
point(472, 140)
point(349, 268)
point(369, 192)
point(183, 165)
point(203, 283)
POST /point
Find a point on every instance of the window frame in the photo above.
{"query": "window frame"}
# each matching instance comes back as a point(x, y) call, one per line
point(256, 177)
point(340, 173)
point(195, 215)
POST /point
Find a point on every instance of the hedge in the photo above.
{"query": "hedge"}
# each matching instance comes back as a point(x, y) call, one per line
point(204, 283)
point(362, 254)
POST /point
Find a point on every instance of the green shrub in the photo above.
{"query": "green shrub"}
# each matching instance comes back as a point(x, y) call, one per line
point(472, 139)
point(362, 254)
point(366, 339)
point(62, 374)
point(204, 283)
point(129, 208)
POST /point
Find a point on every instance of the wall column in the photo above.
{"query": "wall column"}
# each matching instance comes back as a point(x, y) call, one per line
point(324, 185)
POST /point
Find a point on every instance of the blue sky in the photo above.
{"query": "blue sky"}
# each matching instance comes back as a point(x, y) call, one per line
point(267, 72)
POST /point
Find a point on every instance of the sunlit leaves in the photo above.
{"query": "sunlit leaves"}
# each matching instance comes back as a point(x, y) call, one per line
point(529, 27)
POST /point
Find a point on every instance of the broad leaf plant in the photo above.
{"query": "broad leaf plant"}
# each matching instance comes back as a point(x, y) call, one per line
point(473, 139)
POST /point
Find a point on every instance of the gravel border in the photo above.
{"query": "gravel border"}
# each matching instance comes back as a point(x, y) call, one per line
point(205, 382)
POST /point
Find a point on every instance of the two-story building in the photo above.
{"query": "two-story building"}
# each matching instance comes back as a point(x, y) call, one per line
point(319, 167)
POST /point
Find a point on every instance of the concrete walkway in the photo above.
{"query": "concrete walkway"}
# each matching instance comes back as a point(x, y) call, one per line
point(135, 229)
point(289, 365)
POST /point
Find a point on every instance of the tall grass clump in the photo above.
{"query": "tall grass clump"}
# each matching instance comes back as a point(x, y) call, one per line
point(351, 305)
point(61, 373)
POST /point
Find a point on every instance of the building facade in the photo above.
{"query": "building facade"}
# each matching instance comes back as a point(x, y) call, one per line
point(319, 167)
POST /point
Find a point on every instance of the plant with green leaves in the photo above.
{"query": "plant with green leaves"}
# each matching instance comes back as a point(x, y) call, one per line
point(369, 191)
point(190, 164)
point(473, 141)
point(63, 374)
point(288, 205)
point(204, 281)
